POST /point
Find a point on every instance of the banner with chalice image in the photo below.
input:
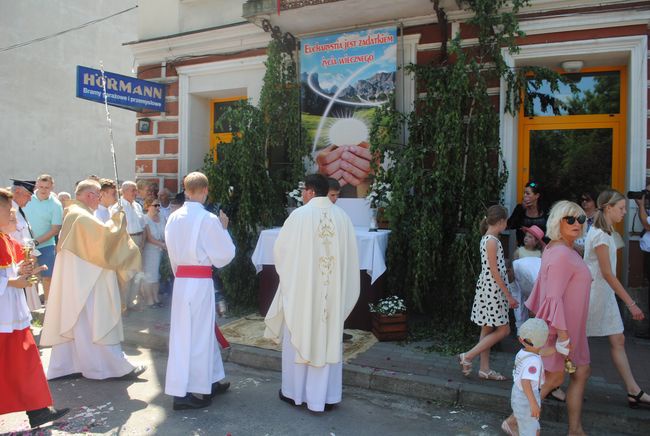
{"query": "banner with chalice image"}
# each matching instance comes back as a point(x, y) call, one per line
point(345, 77)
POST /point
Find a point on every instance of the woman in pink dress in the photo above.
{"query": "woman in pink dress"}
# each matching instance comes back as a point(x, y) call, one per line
point(561, 298)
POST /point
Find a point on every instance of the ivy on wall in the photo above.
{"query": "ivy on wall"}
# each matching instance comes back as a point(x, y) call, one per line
point(450, 170)
point(264, 160)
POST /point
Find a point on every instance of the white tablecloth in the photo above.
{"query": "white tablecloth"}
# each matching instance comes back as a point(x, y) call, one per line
point(371, 247)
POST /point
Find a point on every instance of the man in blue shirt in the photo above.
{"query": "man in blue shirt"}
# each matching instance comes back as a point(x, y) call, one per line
point(45, 215)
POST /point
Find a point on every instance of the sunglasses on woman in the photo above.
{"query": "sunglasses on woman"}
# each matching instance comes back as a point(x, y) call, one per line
point(572, 219)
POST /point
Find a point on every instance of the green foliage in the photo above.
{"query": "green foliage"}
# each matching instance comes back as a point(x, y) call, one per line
point(255, 170)
point(280, 106)
point(240, 182)
point(450, 170)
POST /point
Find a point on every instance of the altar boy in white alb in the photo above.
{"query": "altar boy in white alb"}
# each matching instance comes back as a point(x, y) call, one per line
point(316, 258)
point(196, 240)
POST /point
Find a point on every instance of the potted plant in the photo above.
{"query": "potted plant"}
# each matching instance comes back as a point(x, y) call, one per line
point(389, 319)
point(379, 197)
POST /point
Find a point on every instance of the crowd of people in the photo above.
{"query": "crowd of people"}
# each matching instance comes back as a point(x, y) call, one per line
point(99, 260)
point(86, 261)
point(565, 280)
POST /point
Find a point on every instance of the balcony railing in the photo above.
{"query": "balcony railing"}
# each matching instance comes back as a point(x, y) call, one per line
point(253, 8)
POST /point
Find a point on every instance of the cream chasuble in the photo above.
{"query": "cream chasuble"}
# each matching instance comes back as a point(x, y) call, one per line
point(91, 257)
point(316, 258)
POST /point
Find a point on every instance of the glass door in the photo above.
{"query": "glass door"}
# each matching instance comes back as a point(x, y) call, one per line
point(220, 131)
point(567, 161)
point(572, 137)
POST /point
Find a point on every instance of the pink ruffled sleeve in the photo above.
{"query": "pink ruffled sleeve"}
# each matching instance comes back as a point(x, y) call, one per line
point(547, 298)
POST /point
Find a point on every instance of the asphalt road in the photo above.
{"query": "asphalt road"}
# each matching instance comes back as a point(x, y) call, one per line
point(250, 407)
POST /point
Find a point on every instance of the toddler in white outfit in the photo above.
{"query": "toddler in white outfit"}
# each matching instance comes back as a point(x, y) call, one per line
point(528, 376)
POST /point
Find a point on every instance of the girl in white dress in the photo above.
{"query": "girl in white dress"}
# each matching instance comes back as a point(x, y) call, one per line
point(154, 245)
point(604, 316)
point(493, 299)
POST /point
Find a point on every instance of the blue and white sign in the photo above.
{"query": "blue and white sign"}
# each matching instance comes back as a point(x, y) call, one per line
point(123, 91)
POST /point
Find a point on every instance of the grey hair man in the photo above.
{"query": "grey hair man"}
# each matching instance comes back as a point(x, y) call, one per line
point(164, 197)
point(91, 257)
point(135, 228)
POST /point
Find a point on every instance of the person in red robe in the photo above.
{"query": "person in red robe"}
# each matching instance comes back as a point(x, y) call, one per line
point(22, 380)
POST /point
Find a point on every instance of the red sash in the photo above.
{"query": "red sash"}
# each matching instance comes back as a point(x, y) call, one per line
point(194, 271)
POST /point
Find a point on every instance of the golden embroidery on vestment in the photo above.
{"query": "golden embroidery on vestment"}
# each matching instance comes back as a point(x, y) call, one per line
point(326, 231)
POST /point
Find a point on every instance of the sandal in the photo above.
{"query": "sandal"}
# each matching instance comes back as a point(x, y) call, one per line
point(491, 375)
point(555, 395)
point(506, 428)
point(465, 365)
point(637, 400)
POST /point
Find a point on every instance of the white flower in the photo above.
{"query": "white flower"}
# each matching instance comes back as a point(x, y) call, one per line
point(389, 306)
point(380, 194)
point(296, 195)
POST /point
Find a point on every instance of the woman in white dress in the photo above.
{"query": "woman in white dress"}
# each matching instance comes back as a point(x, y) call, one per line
point(154, 245)
point(604, 317)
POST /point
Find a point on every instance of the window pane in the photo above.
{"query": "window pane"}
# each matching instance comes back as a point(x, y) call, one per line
point(596, 93)
point(567, 163)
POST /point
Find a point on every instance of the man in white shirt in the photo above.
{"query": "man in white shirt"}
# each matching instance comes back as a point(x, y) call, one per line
point(316, 259)
point(107, 198)
point(22, 191)
point(164, 197)
point(135, 228)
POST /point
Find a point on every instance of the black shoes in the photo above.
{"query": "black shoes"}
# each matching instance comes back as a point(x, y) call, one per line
point(189, 401)
point(73, 376)
point(288, 400)
point(133, 375)
point(46, 414)
point(219, 388)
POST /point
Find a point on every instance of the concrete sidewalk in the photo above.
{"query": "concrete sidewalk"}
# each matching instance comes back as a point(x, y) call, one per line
point(409, 370)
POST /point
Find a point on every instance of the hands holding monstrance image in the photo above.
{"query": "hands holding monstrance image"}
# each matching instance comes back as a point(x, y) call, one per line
point(348, 158)
point(347, 164)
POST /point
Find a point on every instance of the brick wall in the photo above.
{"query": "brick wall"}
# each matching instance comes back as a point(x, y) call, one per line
point(156, 150)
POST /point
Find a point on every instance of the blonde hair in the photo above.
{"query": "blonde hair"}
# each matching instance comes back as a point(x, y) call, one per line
point(558, 211)
point(195, 181)
point(609, 197)
point(85, 185)
point(493, 215)
point(5, 195)
point(107, 184)
point(45, 178)
point(148, 202)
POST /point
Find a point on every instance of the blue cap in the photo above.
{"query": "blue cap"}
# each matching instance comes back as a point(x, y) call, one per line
point(27, 184)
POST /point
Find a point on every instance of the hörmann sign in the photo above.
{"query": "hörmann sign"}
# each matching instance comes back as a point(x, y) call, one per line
point(123, 91)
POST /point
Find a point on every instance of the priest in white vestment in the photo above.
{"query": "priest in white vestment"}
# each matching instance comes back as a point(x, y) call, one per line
point(196, 240)
point(83, 321)
point(316, 258)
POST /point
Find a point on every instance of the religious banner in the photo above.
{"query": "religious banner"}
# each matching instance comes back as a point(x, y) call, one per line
point(344, 78)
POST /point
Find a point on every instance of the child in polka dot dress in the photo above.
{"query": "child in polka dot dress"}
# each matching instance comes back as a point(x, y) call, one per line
point(492, 299)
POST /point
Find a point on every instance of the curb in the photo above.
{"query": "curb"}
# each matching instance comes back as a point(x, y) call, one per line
point(448, 392)
point(598, 413)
